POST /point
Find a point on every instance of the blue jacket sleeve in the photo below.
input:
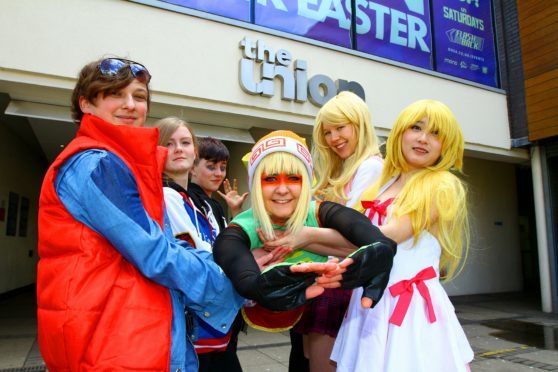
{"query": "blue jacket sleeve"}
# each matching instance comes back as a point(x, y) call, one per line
point(99, 190)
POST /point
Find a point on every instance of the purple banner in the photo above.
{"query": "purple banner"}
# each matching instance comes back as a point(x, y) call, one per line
point(237, 9)
point(464, 40)
point(326, 20)
point(397, 30)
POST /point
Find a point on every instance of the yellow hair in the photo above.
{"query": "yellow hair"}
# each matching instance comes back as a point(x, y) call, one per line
point(440, 192)
point(276, 163)
point(432, 190)
point(334, 173)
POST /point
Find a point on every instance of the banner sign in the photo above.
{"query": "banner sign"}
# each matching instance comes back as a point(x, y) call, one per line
point(464, 40)
point(325, 20)
point(237, 9)
point(407, 31)
point(397, 30)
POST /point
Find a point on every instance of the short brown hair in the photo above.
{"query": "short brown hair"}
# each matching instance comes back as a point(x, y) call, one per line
point(91, 82)
point(212, 149)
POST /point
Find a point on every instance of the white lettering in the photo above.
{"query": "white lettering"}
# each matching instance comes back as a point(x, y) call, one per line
point(338, 13)
point(381, 12)
point(278, 4)
point(398, 27)
point(305, 11)
point(417, 33)
point(262, 51)
point(363, 21)
point(406, 28)
point(248, 46)
point(416, 6)
point(327, 9)
point(283, 57)
point(295, 84)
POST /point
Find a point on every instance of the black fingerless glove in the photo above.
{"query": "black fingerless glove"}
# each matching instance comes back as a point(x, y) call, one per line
point(370, 269)
point(280, 289)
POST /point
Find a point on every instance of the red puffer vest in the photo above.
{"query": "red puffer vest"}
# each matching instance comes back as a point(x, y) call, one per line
point(95, 310)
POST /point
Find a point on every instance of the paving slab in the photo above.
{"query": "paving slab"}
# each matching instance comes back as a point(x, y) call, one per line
point(492, 343)
point(497, 365)
point(266, 368)
point(542, 320)
point(487, 320)
point(255, 358)
point(255, 337)
point(280, 354)
point(476, 330)
point(543, 356)
point(477, 313)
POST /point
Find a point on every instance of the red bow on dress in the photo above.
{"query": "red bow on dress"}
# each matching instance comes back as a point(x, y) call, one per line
point(404, 289)
point(375, 207)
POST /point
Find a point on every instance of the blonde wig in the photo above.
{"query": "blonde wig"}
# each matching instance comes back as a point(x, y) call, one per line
point(167, 127)
point(332, 172)
point(433, 189)
point(276, 163)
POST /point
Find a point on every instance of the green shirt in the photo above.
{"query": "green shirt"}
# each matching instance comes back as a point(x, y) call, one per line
point(247, 222)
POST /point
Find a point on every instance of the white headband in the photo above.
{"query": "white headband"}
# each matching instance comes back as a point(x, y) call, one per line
point(279, 143)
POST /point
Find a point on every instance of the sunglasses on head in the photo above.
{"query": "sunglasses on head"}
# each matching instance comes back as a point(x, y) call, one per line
point(113, 66)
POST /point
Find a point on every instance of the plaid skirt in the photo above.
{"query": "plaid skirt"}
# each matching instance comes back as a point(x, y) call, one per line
point(325, 313)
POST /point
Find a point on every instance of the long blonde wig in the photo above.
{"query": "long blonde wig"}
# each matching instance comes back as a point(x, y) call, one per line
point(434, 188)
point(276, 163)
point(332, 172)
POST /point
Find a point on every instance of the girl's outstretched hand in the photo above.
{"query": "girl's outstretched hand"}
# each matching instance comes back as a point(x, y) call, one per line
point(264, 258)
point(233, 199)
point(286, 286)
point(283, 239)
point(329, 274)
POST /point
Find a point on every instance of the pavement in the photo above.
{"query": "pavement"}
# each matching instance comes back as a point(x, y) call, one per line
point(507, 331)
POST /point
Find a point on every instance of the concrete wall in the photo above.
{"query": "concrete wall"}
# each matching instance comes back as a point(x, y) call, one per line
point(21, 172)
point(494, 263)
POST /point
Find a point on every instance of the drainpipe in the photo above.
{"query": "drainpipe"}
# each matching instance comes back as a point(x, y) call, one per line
point(540, 218)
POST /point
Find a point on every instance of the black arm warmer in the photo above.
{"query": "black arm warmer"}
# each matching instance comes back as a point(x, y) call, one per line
point(231, 251)
point(354, 226)
point(372, 263)
point(276, 289)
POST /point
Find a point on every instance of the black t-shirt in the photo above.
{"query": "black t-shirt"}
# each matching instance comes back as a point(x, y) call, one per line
point(201, 200)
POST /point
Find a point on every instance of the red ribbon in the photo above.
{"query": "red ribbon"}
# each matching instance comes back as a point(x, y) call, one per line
point(374, 207)
point(404, 289)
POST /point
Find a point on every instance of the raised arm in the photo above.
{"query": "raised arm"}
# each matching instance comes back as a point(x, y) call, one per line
point(373, 261)
point(323, 241)
point(280, 287)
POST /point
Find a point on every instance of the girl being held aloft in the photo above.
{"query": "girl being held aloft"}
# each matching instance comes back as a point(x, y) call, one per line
point(280, 172)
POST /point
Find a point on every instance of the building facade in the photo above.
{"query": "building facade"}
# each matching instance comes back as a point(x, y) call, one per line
point(538, 29)
point(237, 69)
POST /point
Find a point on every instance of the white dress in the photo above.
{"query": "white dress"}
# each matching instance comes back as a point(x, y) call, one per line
point(367, 341)
point(368, 172)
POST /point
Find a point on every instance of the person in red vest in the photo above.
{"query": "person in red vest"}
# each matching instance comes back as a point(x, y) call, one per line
point(113, 284)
